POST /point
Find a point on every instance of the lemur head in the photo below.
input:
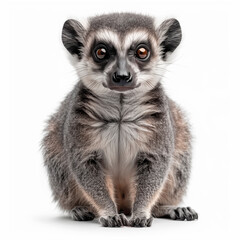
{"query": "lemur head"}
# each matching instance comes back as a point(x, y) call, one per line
point(121, 52)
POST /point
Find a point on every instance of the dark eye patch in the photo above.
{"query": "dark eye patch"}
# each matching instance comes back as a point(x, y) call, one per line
point(102, 51)
point(134, 53)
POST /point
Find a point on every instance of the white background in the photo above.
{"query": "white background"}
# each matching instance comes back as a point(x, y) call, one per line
point(36, 74)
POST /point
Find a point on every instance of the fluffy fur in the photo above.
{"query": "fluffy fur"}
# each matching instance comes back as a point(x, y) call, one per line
point(110, 153)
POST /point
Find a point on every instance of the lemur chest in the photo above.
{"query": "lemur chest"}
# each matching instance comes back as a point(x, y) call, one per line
point(121, 128)
point(121, 143)
point(122, 139)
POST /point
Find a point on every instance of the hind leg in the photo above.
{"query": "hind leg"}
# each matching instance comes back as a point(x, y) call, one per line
point(175, 213)
point(82, 213)
point(171, 196)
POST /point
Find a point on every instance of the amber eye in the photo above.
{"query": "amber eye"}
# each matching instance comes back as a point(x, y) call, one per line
point(142, 53)
point(101, 53)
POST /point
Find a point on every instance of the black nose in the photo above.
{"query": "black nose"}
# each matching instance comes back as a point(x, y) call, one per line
point(121, 79)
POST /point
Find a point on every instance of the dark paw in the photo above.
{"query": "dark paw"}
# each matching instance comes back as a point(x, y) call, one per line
point(140, 222)
point(183, 214)
point(117, 220)
point(81, 214)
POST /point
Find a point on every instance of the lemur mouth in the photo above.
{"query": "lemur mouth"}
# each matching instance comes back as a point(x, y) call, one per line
point(121, 88)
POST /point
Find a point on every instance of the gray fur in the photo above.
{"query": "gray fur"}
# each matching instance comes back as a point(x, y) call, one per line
point(121, 22)
point(109, 152)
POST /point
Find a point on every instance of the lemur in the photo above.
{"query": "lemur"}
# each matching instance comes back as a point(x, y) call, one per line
point(118, 148)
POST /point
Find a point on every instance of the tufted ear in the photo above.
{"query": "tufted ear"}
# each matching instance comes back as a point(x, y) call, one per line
point(73, 37)
point(170, 35)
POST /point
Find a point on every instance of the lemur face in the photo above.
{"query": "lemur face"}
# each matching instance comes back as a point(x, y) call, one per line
point(122, 62)
point(121, 52)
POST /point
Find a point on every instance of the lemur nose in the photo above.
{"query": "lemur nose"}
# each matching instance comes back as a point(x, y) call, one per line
point(120, 79)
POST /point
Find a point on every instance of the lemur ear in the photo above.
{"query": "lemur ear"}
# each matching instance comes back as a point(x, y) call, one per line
point(170, 35)
point(73, 37)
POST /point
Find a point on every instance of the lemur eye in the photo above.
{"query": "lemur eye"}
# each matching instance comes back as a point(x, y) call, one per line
point(142, 53)
point(101, 53)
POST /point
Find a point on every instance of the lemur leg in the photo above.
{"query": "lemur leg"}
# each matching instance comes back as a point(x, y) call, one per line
point(93, 181)
point(171, 195)
point(151, 169)
point(174, 213)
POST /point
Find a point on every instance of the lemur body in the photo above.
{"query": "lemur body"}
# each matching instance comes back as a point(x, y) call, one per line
point(118, 145)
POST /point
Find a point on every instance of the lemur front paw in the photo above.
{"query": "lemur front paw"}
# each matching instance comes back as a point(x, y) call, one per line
point(140, 221)
point(117, 220)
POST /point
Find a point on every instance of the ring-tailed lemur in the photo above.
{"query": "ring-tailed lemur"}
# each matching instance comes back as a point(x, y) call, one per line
point(118, 145)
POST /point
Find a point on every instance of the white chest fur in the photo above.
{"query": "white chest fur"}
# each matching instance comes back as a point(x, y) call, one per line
point(122, 145)
point(123, 133)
